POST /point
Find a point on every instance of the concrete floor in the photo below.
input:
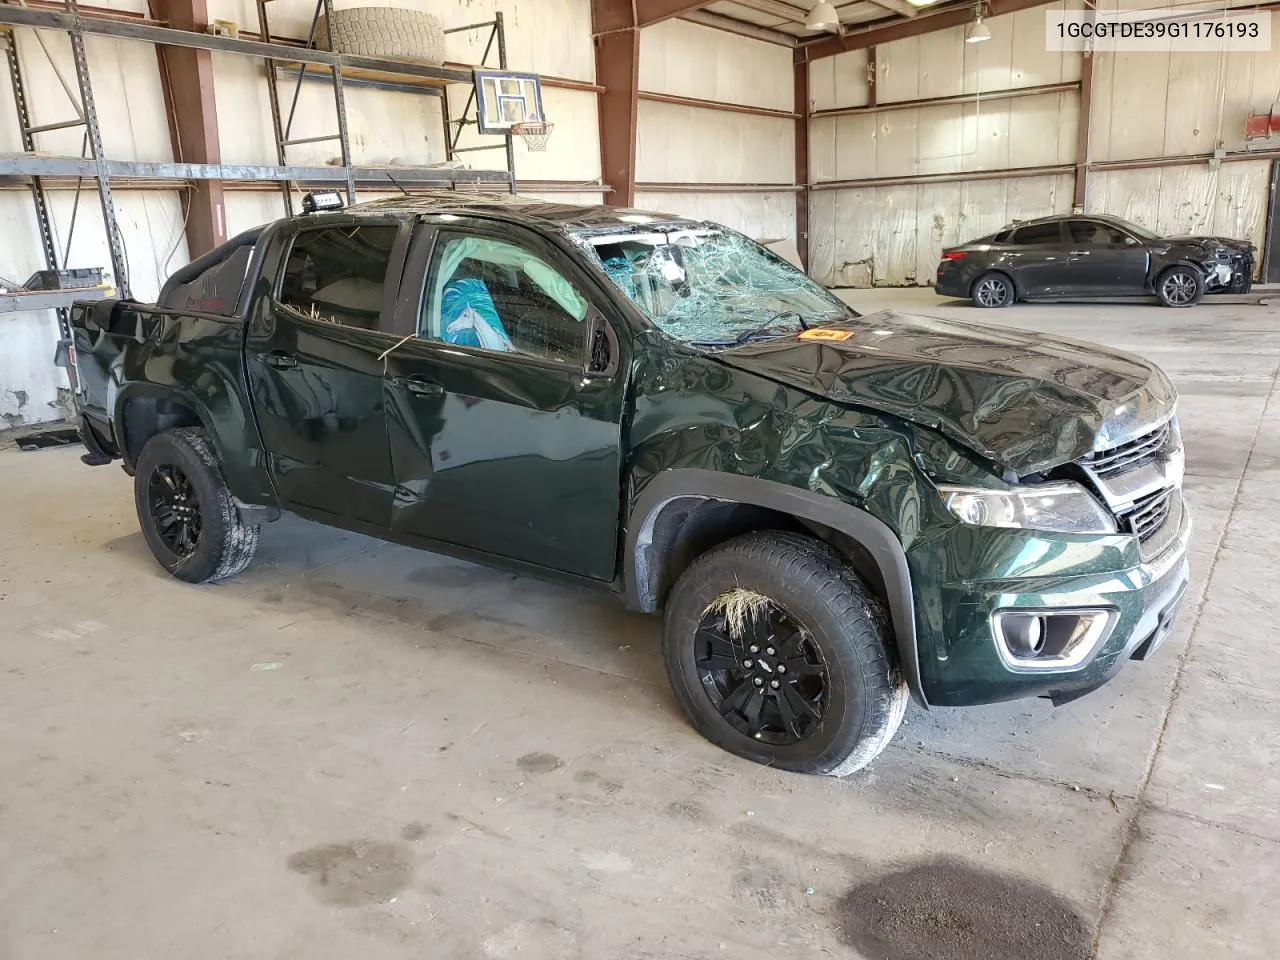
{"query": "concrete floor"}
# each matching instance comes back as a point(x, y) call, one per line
point(359, 750)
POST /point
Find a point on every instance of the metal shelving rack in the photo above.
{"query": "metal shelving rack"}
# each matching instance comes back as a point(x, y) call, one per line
point(402, 74)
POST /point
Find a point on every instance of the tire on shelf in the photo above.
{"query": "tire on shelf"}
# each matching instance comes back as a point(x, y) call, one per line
point(386, 32)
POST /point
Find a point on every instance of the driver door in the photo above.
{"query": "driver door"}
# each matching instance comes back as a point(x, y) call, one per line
point(1105, 260)
point(503, 438)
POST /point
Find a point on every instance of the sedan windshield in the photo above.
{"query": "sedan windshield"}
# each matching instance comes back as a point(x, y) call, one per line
point(708, 286)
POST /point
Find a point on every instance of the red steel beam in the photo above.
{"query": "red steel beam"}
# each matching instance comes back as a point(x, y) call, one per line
point(717, 105)
point(608, 16)
point(1012, 93)
point(655, 11)
point(802, 103)
point(615, 26)
point(189, 75)
point(903, 29)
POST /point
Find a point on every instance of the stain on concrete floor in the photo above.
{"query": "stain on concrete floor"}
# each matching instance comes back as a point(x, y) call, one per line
point(946, 909)
point(355, 874)
point(532, 764)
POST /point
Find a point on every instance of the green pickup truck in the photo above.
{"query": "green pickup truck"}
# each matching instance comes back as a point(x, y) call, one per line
point(831, 511)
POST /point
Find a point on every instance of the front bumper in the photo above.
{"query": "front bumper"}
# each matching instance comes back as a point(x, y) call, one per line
point(1232, 274)
point(967, 574)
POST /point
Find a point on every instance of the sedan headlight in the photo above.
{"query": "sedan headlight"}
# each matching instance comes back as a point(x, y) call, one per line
point(1056, 507)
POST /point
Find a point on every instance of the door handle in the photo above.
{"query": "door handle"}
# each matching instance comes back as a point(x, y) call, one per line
point(281, 361)
point(1079, 253)
point(421, 387)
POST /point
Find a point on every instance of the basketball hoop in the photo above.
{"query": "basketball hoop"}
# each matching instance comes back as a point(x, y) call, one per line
point(534, 133)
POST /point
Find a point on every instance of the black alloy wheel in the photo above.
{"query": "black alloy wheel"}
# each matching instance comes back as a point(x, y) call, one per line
point(778, 652)
point(770, 683)
point(175, 509)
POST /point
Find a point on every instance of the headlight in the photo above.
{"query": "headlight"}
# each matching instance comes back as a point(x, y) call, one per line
point(1057, 507)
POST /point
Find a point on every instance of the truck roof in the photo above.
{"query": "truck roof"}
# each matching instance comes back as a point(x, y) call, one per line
point(559, 216)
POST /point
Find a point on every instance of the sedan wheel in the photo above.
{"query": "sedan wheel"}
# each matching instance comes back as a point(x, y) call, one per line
point(992, 290)
point(1180, 287)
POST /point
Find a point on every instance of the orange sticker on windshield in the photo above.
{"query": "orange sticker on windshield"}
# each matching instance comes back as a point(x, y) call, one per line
point(825, 333)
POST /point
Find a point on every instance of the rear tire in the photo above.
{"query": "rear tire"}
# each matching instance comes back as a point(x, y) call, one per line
point(1180, 286)
point(187, 514)
point(841, 699)
point(991, 291)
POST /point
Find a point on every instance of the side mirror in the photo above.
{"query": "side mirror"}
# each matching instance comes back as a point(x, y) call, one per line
point(602, 361)
point(1130, 242)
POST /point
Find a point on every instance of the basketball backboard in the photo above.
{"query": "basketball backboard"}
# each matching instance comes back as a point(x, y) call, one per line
point(504, 99)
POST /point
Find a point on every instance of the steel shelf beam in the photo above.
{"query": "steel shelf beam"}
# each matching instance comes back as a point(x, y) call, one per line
point(125, 30)
point(48, 299)
point(25, 165)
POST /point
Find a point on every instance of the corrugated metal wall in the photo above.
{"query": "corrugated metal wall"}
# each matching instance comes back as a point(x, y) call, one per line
point(684, 144)
point(1146, 106)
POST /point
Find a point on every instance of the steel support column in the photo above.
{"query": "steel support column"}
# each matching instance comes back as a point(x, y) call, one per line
point(802, 105)
point(1084, 122)
point(618, 71)
point(189, 74)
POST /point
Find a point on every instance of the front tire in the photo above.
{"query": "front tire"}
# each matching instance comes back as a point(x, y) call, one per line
point(1180, 286)
point(187, 514)
point(777, 652)
point(992, 291)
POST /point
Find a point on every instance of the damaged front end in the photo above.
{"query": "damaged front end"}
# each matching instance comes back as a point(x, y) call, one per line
point(1034, 485)
point(1227, 264)
point(1024, 489)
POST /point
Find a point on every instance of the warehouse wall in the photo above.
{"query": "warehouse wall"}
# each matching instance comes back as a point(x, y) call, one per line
point(1146, 106)
point(681, 144)
point(544, 36)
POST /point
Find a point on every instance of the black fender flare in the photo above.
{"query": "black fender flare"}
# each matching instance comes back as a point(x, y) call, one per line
point(874, 535)
point(155, 391)
point(251, 512)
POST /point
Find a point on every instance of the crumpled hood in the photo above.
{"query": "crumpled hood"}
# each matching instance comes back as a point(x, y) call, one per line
point(1026, 401)
point(1211, 242)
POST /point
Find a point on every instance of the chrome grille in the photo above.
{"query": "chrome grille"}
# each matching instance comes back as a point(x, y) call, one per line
point(1134, 453)
point(1148, 514)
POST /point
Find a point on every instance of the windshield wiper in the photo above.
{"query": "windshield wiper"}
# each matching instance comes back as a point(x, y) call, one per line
point(804, 324)
point(770, 331)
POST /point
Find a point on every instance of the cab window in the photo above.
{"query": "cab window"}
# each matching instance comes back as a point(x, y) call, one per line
point(495, 295)
point(337, 274)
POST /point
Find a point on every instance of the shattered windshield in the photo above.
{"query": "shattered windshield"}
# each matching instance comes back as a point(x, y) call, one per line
point(709, 286)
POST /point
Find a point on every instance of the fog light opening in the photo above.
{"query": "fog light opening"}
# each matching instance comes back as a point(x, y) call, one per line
point(1024, 635)
point(1050, 640)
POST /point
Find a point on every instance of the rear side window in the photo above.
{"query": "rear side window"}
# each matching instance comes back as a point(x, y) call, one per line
point(337, 274)
point(1038, 234)
point(216, 290)
point(1002, 236)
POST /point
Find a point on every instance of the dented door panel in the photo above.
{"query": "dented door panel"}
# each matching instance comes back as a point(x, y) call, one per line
point(506, 456)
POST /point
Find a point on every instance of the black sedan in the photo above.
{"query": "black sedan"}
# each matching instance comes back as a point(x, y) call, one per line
point(1067, 257)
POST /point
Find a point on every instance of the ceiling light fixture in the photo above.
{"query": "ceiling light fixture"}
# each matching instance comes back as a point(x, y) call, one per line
point(978, 30)
point(823, 17)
